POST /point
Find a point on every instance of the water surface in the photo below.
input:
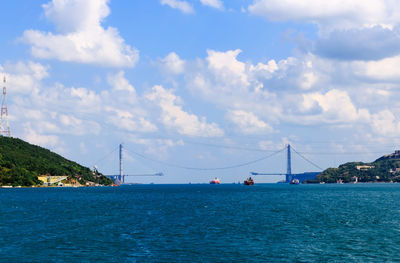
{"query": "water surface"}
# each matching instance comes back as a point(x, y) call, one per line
point(202, 223)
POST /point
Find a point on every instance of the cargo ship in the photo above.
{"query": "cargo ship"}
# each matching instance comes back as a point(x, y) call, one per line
point(215, 181)
point(249, 181)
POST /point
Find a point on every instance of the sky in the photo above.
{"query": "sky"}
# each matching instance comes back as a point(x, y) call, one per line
point(191, 86)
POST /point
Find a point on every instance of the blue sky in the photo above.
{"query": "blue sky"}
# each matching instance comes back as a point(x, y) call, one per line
point(203, 83)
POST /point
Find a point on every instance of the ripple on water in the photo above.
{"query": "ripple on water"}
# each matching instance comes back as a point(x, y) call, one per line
point(202, 223)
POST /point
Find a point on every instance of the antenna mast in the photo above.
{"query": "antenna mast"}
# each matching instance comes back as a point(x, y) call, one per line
point(4, 126)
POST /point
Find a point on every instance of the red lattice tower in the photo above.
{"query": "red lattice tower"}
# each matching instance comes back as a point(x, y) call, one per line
point(4, 127)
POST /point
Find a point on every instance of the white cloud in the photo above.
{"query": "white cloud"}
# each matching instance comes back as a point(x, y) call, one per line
point(222, 79)
point(81, 37)
point(227, 67)
point(334, 14)
point(307, 90)
point(172, 116)
point(75, 126)
point(307, 80)
point(273, 145)
point(56, 109)
point(120, 83)
point(84, 99)
point(334, 106)
point(385, 123)
point(218, 4)
point(24, 77)
point(248, 122)
point(33, 137)
point(183, 6)
point(128, 121)
point(385, 70)
point(156, 147)
point(348, 30)
point(172, 63)
point(270, 67)
point(368, 43)
point(122, 94)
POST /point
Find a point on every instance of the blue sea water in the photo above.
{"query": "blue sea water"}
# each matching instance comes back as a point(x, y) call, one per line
point(202, 223)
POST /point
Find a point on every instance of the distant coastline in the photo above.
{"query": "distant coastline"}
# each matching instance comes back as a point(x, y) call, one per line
point(385, 169)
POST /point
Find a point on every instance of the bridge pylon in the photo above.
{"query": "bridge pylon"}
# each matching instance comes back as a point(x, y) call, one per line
point(121, 164)
point(289, 176)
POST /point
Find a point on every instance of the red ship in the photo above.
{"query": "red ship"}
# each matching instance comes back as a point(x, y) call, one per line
point(249, 181)
point(215, 181)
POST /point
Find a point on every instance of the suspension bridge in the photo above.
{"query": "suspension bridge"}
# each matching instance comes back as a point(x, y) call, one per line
point(289, 176)
point(120, 178)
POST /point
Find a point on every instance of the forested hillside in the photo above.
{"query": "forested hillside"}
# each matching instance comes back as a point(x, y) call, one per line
point(21, 163)
point(384, 169)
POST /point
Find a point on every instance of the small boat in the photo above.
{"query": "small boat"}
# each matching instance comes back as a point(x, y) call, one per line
point(215, 181)
point(294, 181)
point(248, 181)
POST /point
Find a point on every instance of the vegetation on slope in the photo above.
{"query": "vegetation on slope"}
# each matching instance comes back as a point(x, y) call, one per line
point(382, 170)
point(21, 163)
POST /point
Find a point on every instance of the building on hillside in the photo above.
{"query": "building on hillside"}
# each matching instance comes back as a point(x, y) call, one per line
point(364, 167)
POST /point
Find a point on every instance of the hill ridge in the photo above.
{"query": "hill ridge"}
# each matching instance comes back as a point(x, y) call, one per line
point(21, 163)
point(384, 169)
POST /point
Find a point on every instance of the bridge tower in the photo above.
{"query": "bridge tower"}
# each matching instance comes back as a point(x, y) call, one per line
point(4, 126)
point(121, 164)
point(289, 176)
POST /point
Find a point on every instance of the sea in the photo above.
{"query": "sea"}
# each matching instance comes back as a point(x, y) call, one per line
point(202, 223)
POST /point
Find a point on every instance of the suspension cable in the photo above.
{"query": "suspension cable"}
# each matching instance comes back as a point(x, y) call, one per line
point(228, 146)
point(206, 169)
point(307, 160)
point(106, 156)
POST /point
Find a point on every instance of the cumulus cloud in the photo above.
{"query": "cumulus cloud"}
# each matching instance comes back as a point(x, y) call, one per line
point(218, 4)
point(347, 30)
point(129, 121)
point(334, 106)
point(384, 70)
point(372, 43)
point(81, 37)
point(76, 126)
point(121, 89)
point(172, 63)
point(156, 147)
point(307, 80)
point(24, 77)
point(248, 122)
point(33, 137)
point(385, 123)
point(223, 79)
point(329, 14)
point(307, 90)
point(183, 6)
point(174, 117)
point(120, 83)
point(227, 67)
point(53, 111)
point(270, 67)
point(43, 113)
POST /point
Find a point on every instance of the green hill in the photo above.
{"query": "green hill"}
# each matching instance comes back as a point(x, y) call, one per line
point(21, 163)
point(381, 170)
